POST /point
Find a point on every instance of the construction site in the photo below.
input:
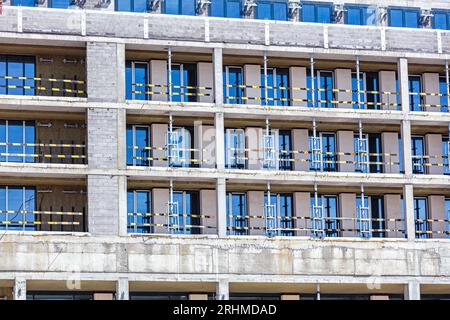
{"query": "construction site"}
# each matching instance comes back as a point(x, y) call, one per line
point(224, 150)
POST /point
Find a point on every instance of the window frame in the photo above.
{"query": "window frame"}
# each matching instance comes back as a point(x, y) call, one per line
point(425, 226)
point(231, 221)
point(404, 10)
point(316, 6)
point(180, 8)
point(229, 163)
point(151, 218)
point(133, 141)
point(362, 15)
point(23, 206)
point(225, 11)
point(272, 9)
point(441, 11)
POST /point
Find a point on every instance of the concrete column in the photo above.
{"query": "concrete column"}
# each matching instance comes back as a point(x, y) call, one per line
point(198, 296)
point(406, 144)
point(433, 143)
point(123, 212)
point(388, 84)
point(298, 81)
point(222, 290)
point(431, 85)
point(208, 207)
point(345, 143)
point(160, 198)
point(347, 209)
point(290, 297)
point(158, 137)
point(205, 79)
point(403, 84)
point(122, 289)
point(412, 290)
point(158, 77)
point(20, 289)
point(393, 210)
point(256, 208)
point(221, 207)
point(218, 76)
point(389, 145)
point(252, 77)
point(302, 207)
point(103, 296)
point(219, 140)
point(253, 137)
point(410, 218)
point(344, 82)
point(437, 212)
point(300, 142)
point(105, 68)
point(207, 153)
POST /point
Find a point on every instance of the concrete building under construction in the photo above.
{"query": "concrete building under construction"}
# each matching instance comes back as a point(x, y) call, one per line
point(224, 149)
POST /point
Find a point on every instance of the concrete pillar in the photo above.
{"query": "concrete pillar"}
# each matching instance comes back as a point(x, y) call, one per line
point(389, 145)
point(300, 142)
point(222, 290)
point(218, 76)
point(207, 153)
point(122, 289)
point(412, 290)
point(20, 289)
point(208, 207)
point(302, 207)
point(388, 84)
point(123, 210)
point(219, 140)
point(406, 144)
point(160, 198)
point(403, 84)
point(437, 212)
point(256, 208)
point(252, 77)
point(105, 69)
point(158, 137)
point(221, 209)
point(253, 137)
point(103, 296)
point(158, 77)
point(345, 143)
point(431, 85)
point(347, 209)
point(433, 143)
point(205, 79)
point(393, 210)
point(344, 82)
point(290, 297)
point(410, 218)
point(298, 80)
point(198, 296)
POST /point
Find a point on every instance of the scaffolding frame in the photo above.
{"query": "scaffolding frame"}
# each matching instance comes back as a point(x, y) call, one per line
point(172, 212)
point(270, 216)
point(363, 216)
point(317, 219)
point(316, 149)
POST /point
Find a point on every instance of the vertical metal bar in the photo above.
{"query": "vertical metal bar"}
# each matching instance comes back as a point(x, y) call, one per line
point(169, 66)
point(318, 291)
point(169, 140)
point(266, 91)
point(358, 82)
point(447, 81)
point(313, 89)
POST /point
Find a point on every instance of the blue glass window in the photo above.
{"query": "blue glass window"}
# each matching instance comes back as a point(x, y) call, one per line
point(415, 88)
point(180, 7)
point(233, 82)
point(181, 152)
point(360, 15)
point(24, 3)
point(21, 200)
point(139, 205)
point(17, 66)
point(441, 19)
point(226, 8)
point(59, 4)
point(402, 17)
point(421, 215)
point(272, 10)
point(278, 87)
point(328, 152)
point(236, 214)
point(445, 155)
point(369, 85)
point(376, 214)
point(131, 5)
point(17, 132)
point(443, 91)
point(418, 152)
point(375, 158)
point(184, 82)
point(320, 13)
point(138, 144)
point(323, 89)
point(330, 214)
point(187, 206)
point(235, 149)
point(137, 79)
point(285, 147)
point(447, 216)
point(282, 205)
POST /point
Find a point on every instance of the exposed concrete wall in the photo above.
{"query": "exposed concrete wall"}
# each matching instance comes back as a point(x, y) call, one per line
point(298, 81)
point(300, 142)
point(437, 212)
point(431, 86)
point(343, 81)
point(433, 147)
point(160, 198)
point(256, 208)
point(103, 204)
point(388, 84)
point(345, 143)
point(252, 77)
point(205, 79)
point(347, 209)
point(390, 146)
point(158, 77)
point(253, 138)
point(158, 137)
point(209, 147)
point(393, 210)
point(302, 207)
point(208, 207)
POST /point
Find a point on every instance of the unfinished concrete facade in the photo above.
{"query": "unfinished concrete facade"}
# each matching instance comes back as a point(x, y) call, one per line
point(154, 156)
